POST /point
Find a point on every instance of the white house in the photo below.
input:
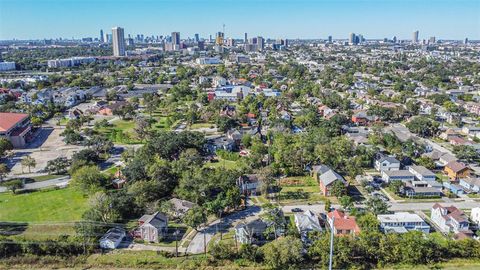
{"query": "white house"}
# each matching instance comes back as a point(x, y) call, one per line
point(112, 239)
point(475, 215)
point(449, 219)
point(421, 173)
point(152, 227)
point(307, 222)
point(400, 175)
point(387, 164)
point(401, 222)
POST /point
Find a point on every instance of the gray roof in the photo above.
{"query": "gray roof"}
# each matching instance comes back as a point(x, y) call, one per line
point(330, 176)
point(157, 220)
point(389, 159)
point(422, 170)
point(321, 169)
point(405, 173)
point(114, 234)
point(307, 222)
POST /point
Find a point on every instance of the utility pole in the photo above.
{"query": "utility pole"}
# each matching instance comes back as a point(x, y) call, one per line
point(204, 243)
point(331, 244)
point(176, 242)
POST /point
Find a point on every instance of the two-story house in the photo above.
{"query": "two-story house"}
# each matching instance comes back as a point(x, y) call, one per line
point(152, 228)
point(456, 170)
point(343, 224)
point(387, 164)
point(449, 219)
point(402, 222)
point(421, 173)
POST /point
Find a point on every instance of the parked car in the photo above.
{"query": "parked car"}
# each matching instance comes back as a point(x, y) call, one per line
point(295, 210)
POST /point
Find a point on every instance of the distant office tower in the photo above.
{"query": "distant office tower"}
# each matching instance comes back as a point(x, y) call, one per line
point(130, 42)
point(197, 37)
point(118, 40)
point(394, 39)
point(102, 37)
point(432, 40)
point(176, 38)
point(219, 38)
point(353, 38)
point(230, 42)
point(108, 38)
point(359, 39)
point(330, 39)
point(245, 40)
point(465, 41)
point(415, 37)
point(286, 43)
point(260, 43)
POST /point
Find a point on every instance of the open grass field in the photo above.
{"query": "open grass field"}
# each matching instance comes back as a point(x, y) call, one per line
point(227, 164)
point(43, 206)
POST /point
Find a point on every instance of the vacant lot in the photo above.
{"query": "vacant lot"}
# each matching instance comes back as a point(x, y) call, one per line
point(43, 206)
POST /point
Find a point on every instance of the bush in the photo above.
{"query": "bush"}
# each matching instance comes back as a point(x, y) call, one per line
point(232, 156)
point(222, 251)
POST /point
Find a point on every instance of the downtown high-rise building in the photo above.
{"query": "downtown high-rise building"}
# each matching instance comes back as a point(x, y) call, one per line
point(260, 43)
point(176, 38)
point(415, 37)
point(197, 37)
point(245, 40)
point(102, 37)
point(353, 39)
point(118, 40)
point(219, 38)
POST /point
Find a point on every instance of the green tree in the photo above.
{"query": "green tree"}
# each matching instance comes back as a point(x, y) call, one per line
point(195, 217)
point(3, 171)
point(29, 162)
point(5, 145)
point(283, 253)
point(346, 202)
point(13, 185)
point(376, 206)
point(88, 178)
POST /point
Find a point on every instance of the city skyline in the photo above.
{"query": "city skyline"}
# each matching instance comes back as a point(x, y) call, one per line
point(303, 19)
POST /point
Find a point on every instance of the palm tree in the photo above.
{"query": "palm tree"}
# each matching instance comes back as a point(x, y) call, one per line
point(29, 162)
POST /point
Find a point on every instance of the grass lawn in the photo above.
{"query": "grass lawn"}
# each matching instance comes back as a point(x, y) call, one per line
point(464, 264)
point(142, 259)
point(473, 195)
point(201, 125)
point(43, 206)
point(124, 131)
point(299, 189)
point(223, 163)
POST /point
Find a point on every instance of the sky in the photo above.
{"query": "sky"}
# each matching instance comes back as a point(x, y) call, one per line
point(39, 19)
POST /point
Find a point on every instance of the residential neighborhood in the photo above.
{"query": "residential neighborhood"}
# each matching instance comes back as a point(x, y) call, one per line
point(218, 151)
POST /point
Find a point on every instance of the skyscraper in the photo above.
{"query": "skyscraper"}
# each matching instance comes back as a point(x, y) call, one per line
point(176, 38)
point(245, 39)
point(260, 43)
point(197, 37)
point(415, 37)
point(219, 38)
point(353, 38)
point(118, 40)
point(432, 40)
point(330, 39)
point(102, 37)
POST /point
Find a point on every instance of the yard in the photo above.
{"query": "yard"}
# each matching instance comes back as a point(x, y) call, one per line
point(299, 189)
point(43, 206)
point(227, 164)
point(41, 215)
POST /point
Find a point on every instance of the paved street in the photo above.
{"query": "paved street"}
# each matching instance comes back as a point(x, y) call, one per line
point(223, 224)
point(43, 184)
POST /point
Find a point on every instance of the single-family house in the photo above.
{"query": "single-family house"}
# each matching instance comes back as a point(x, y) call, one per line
point(152, 228)
point(307, 222)
point(112, 238)
point(449, 219)
point(401, 222)
point(400, 175)
point(387, 163)
point(180, 207)
point(423, 189)
point(470, 184)
point(456, 170)
point(421, 173)
point(252, 232)
point(475, 215)
point(249, 184)
point(342, 223)
point(327, 180)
